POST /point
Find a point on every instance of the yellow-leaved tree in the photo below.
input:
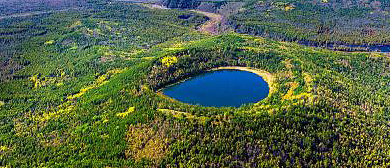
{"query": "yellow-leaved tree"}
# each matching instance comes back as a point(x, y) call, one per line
point(169, 60)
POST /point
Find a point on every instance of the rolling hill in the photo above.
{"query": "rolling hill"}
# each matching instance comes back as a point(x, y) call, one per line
point(79, 88)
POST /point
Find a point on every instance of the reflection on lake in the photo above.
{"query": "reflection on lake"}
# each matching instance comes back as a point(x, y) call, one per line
point(220, 88)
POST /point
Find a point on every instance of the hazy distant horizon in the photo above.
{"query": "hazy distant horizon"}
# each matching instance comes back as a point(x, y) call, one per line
point(11, 7)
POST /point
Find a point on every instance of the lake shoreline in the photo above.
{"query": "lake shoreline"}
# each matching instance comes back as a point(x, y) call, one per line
point(256, 88)
point(268, 78)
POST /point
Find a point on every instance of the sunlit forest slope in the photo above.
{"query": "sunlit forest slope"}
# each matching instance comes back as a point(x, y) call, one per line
point(79, 88)
point(317, 21)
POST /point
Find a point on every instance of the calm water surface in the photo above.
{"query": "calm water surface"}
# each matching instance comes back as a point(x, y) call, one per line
point(220, 88)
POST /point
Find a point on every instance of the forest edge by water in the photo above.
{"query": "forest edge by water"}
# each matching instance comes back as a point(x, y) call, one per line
point(266, 76)
point(329, 110)
point(216, 26)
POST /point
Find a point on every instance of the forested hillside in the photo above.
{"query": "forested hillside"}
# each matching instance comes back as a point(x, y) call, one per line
point(318, 22)
point(9, 7)
point(360, 25)
point(80, 88)
point(183, 4)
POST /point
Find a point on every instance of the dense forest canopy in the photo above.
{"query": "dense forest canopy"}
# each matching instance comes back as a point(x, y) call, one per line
point(8, 7)
point(319, 22)
point(79, 88)
point(330, 23)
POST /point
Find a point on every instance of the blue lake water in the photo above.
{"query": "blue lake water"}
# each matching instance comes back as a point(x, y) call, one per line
point(220, 88)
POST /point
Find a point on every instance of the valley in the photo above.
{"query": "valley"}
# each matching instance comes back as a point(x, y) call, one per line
point(87, 87)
